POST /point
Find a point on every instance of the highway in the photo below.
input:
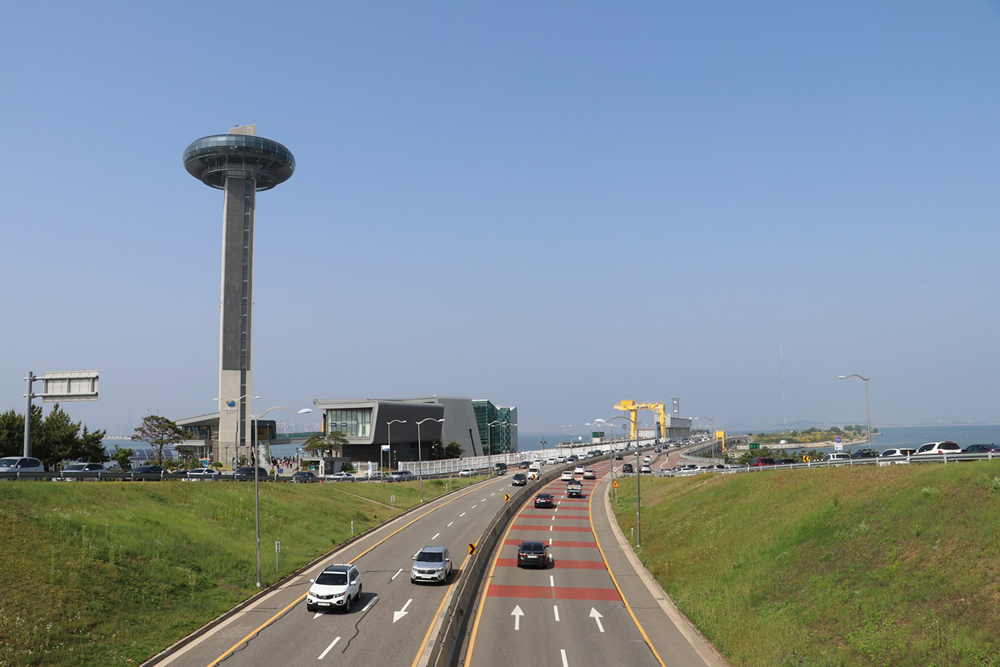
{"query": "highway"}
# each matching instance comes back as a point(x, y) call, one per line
point(394, 619)
point(589, 607)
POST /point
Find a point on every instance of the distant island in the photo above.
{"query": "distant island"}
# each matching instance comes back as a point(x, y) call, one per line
point(815, 436)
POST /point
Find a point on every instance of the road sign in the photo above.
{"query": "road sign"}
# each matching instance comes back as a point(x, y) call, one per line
point(838, 440)
point(506, 496)
point(472, 548)
point(754, 445)
point(614, 484)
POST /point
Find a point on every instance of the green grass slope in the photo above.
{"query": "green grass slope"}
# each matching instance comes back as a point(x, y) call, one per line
point(845, 566)
point(111, 573)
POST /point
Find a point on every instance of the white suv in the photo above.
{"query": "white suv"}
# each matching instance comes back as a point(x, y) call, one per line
point(946, 447)
point(336, 587)
point(834, 457)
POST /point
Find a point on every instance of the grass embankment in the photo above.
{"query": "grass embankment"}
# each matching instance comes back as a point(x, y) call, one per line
point(835, 566)
point(110, 573)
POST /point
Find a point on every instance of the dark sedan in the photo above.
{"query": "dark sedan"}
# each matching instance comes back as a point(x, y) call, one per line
point(544, 500)
point(535, 554)
point(246, 474)
point(865, 454)
point(981, 449)
point(304, 477)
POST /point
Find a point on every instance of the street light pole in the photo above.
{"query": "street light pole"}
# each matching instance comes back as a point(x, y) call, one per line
point(236, 441)
point(256, 475)
point(420, 457)
point(389, 438)
point(868, 407)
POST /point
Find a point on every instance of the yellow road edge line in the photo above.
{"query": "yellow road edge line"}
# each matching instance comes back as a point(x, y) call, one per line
point(649, 643)
point(430, 628)
point(350, 562)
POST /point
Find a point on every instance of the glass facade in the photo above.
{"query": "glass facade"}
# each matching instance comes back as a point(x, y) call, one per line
point(352, 422)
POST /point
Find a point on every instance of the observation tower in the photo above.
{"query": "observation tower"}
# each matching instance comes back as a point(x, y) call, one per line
point(240, 163)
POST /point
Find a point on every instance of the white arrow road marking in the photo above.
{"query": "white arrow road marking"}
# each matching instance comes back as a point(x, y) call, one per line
point(562, 652)
point(555, 610)
point(396, 575)
point(596, 615)
point(323, 654)
point(517, 614)
point(435, 536)
point(396, 615)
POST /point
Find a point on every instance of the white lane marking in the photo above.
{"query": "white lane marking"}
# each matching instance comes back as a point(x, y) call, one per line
point(562, 652)
point(596, 615)
point(461, 515)
point(435, 537)
point(552, 581)
point(323, 654)
point(370, 603)
point(492, 494)
point(475, 506)
point(550, 541)
point(553, 517)
point(550, 528)
point(449, 525)
point(555, 610)
point(517, 614)
point(483, 500)
point(396, 575)
point(396, 615)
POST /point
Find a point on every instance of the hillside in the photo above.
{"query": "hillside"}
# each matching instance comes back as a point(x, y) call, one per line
point(857, 565)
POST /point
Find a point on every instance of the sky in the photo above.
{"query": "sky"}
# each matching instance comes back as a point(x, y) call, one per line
point(552, 205)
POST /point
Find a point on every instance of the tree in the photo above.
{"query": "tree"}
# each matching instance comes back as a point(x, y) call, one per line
point(122, 456)
point(53, 439)
point(453, 450)
point(159, 432)
point(330, 445)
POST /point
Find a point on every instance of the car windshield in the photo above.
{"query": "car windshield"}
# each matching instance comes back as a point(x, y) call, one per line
point(532, 547)
point(76, 466)
point(332, 579)
point(9, 461)
point(430, 557)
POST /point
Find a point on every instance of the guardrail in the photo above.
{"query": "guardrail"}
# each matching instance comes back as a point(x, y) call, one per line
point(957, 457)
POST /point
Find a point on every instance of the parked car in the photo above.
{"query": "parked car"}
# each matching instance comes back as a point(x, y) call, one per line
point(566, 475)
point(589, 474)
point(431, 564)
point(835, 457)
point(519, 479)
point(336, 587)
point(535, 554)
point(305, 477)
point(400, 476)
point(466, 472)
point(246, 474)
point(21, 464)
point(148, 472)
point(544, 500)
point(981, 449)
point(864, 454)
point(761, 461)
point(898, 452)
point(343, 477)
point(946, 447)
point(209, 474)
point(78, 471)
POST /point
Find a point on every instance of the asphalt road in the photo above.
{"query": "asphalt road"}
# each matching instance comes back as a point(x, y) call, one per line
point(593, 605)
point(392, 622)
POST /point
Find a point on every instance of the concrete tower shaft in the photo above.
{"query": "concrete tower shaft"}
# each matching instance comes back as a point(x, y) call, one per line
point(240, 164)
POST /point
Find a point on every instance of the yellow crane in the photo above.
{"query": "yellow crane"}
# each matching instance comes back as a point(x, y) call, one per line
point(633, 408)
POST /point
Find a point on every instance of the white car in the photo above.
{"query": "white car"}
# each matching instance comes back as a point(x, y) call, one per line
point(341, 477)
point(336, 587)
point(579, 470)
point(946, 447)
point(466, 472)
point(21, 464)
point(550, 462)
point(834, 457)
point(204, 474)
point(589, 474)
point(566, 475)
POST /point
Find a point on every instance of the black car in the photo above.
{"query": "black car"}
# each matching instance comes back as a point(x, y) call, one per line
point(246, 474)
point(304, 477)
point(524, 465)
point(981, 449)
point(865, 454)
point(627, 468)
point(782, 462)
point(519, 479)
point(544, 500)
point(500, 468)
point(535, 554)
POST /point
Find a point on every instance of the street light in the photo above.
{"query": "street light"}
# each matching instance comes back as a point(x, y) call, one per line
point(256, 474)
point(420, 458)
point(868, 407)
point(560, 432)
point(489, 435)
point(388, 426)
point(638, 476)
point(236, 440)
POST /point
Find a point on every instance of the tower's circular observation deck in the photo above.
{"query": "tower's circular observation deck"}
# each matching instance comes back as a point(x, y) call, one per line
point(211, 159)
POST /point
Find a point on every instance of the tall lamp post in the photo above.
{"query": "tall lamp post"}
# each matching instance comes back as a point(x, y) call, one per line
point(420, 458)
point(868, 407)
point(236, 442)
point(256, 474)
point(389, 438)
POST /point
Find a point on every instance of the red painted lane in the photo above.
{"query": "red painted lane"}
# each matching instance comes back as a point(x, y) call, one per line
point(558, 593)
point(572, 529)
point(560, 516)
point(555, 543)
point(561, 564)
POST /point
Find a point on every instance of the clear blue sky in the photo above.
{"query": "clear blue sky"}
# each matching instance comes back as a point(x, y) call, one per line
point(554, 205)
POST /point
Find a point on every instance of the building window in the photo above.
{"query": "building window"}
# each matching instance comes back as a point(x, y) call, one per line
point(352, 422)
